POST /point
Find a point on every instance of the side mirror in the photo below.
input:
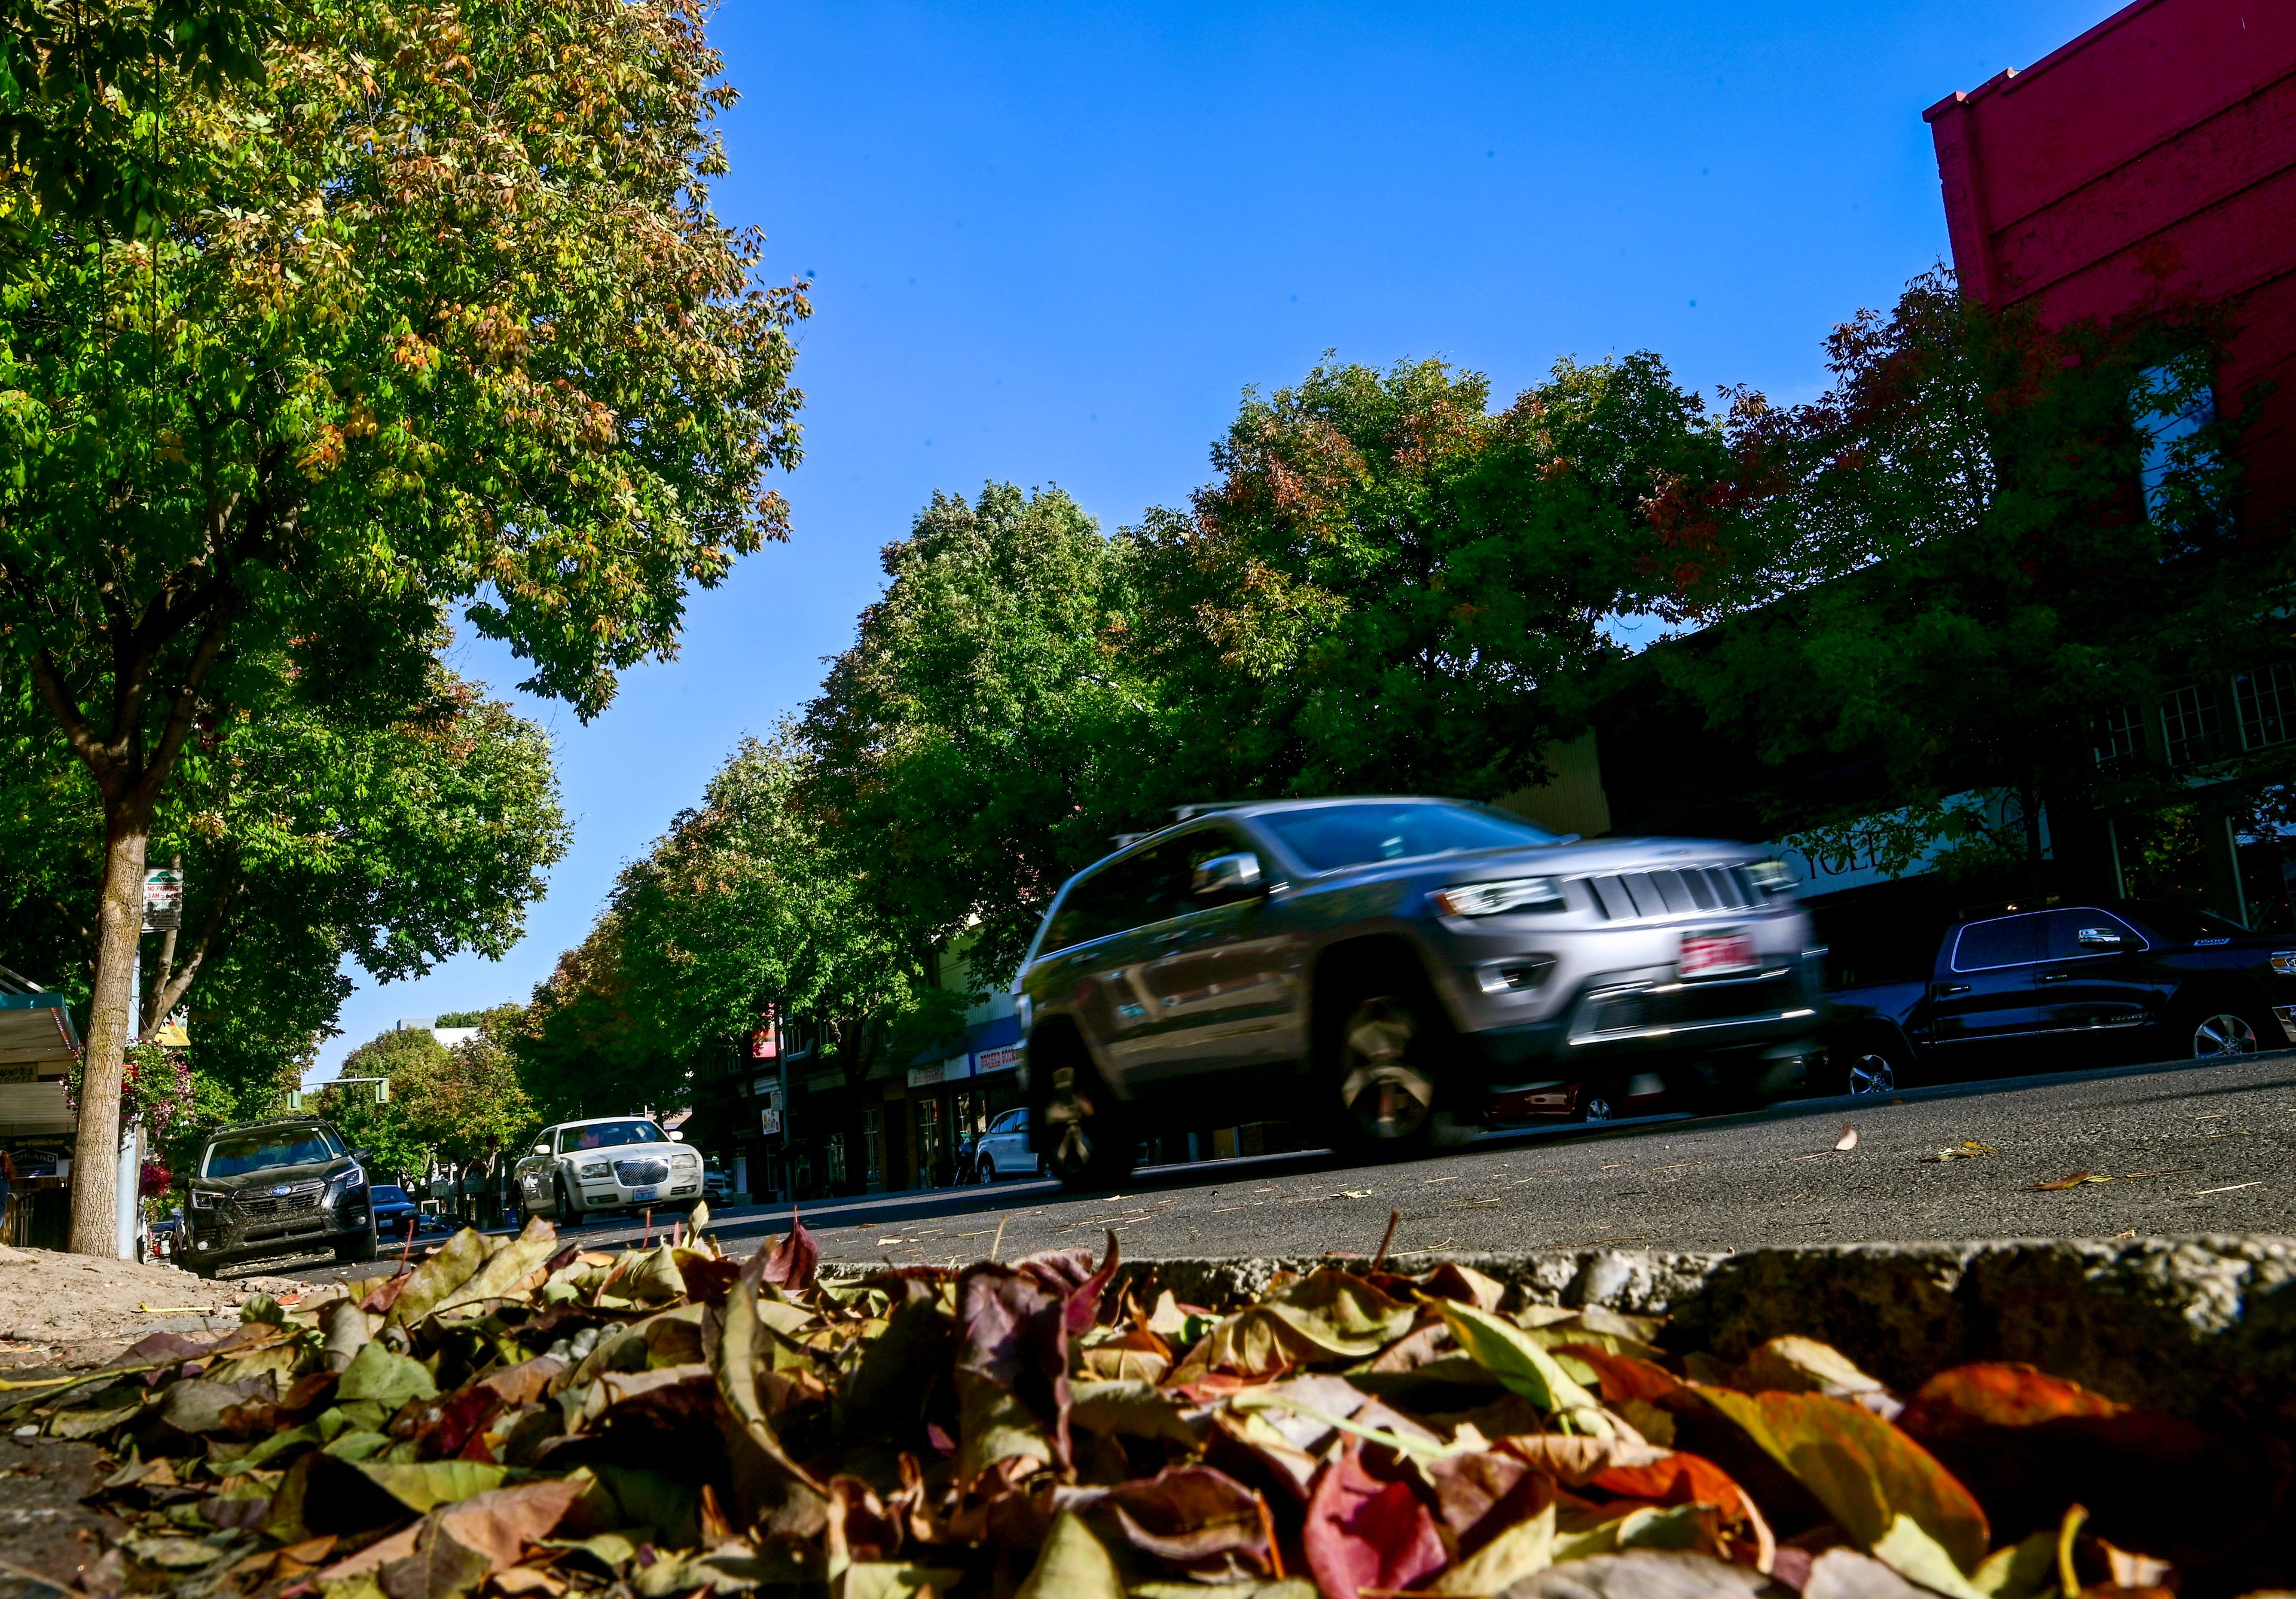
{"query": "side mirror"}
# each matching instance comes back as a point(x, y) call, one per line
point(362, 1155)
point(1227, 877)
point(541, 1149)
point(677, 1137)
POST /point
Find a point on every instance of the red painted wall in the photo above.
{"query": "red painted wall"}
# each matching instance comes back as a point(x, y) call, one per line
point(2155, 155)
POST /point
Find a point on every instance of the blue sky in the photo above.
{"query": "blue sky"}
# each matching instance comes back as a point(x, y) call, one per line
point(1054, 244)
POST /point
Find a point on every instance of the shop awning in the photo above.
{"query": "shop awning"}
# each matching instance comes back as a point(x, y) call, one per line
point(37, 1046)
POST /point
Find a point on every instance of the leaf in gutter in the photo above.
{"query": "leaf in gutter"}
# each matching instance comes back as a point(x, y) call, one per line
point(1523, 1549)
point(1860, 1468)
point(1512, 1357)
point(505, 1268)
point(432, 1281)
point(2074, 1181)
point(793, 1259)
point(1997, 1394)
point(422, 1486)
point(1908, 1551)
point(1848, 1139)
point(1074, 1565)
point(767, 1483)
point(441, 1568)
point(1362, 1533)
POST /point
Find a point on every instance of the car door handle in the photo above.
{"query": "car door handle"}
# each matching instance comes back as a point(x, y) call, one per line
point(2054, 977)
point(1946, 989)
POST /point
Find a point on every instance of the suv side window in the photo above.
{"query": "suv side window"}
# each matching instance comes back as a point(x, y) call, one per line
point(2007, 942)
point(2080, 934)
point(1124, 894)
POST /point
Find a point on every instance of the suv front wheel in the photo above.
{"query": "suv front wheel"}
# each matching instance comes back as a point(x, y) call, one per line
point(1085, 1144)
point(1380, 1045)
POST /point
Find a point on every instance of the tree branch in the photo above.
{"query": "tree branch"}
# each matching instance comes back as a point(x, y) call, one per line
point(184, 713)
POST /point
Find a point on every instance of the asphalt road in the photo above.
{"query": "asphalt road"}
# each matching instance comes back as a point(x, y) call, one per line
point(2187, 1148)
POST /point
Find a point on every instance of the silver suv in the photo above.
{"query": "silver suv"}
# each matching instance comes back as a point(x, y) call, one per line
point(1382, 969)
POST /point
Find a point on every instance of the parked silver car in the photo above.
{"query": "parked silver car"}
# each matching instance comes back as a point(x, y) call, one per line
point(607, 1163)
point(1384, 968)
point(1003, 1150)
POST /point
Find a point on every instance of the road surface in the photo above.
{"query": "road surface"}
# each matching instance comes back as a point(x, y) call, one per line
point(2187, 1148)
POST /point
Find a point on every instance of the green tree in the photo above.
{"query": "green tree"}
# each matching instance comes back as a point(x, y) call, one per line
point(372, 1122)
point(991, 728)
point(469, 1105)
point(306, 837)
point(1944, 568)
point(438, 316)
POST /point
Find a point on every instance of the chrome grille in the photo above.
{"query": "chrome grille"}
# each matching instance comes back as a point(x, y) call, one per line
point(640, 1174)
point(1675, 891)
point(1689, 1004)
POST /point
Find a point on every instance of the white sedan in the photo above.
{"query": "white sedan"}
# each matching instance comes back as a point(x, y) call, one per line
point(610, 1163)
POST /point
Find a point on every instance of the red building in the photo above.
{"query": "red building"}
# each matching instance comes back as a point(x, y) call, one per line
point(2152, 156)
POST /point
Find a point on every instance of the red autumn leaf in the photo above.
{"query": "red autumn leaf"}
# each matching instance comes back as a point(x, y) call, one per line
point(1363, 1533)
point(1679, 1479)
point(794, 1258)
point(1997, 1394)
point(1625, 1376)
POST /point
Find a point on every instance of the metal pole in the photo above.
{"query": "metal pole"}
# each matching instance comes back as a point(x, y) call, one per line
point(128, 1176)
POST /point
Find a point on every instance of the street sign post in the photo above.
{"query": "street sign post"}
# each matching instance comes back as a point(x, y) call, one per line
point(163, 900)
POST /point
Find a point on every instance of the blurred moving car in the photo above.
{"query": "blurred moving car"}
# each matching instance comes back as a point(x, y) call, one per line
point(1382, 969)
point(717, 1183)
point(277, 1188)
point(393, 1209)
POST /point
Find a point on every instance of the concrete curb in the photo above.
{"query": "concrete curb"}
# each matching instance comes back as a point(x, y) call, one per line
point(2202, 1326)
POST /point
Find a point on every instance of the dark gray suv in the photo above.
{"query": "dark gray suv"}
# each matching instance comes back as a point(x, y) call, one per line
point(277, 1188)
point(1382, 969)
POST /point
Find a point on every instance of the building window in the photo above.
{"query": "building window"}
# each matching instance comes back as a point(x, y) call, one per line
point(2171, 405)
point(2120, 735)
point(2189, 726)
point(2267, 706)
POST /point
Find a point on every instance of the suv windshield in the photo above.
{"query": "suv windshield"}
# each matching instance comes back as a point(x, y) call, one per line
point(1328, 837)
point(608, 1135)
point(2179, 925)
point(239, 1154)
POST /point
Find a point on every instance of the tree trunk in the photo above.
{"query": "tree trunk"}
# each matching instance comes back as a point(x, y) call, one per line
point(119, 930)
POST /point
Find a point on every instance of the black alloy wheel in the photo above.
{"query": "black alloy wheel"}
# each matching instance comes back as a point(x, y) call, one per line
point(1379, 1050)
point(1598, 1101)
point(984, 1171)
point(1869, 1072)
point(1089, 1149)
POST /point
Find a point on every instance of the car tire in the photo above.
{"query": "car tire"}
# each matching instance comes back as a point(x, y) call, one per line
point(984, 1171)
point(1091, 1147)
point(2215, 1032)
point(561, 1204)
point(357, 1250)
point(1867, 1068)
point(1598, 1103)
point(1379, 1040)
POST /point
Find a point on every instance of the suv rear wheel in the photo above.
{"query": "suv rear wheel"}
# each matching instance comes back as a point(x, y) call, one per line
point(359, 1249)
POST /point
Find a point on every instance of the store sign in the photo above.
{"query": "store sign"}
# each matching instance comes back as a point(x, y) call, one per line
point(769, 1121)
point(986, 1061)
point(954, 1069)
point(163, 900)
point(764, 1046)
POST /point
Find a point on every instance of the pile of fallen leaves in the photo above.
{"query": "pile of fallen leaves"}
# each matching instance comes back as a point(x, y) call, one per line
point(525, 1418)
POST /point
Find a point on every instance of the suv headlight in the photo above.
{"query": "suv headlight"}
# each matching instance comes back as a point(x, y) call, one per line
point(592, 1168)
point(205, 1199)
point(1494, 899)
point(345, 1181)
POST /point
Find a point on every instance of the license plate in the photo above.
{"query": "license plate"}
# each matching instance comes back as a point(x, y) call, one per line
point(643, 1194)
point(1713, 954)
